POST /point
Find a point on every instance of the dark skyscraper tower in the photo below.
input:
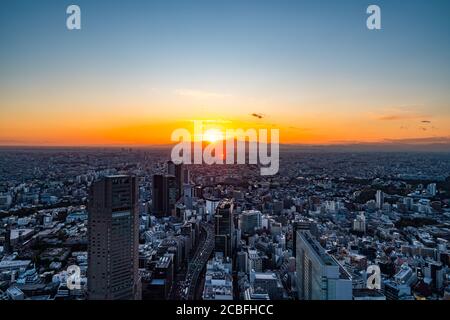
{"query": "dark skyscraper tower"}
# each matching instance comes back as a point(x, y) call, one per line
point(158, 196)
point(224, 227)
point(170, 194)
point(113, 235)
point(7, 245)
point(165, 195)
point(180, 173)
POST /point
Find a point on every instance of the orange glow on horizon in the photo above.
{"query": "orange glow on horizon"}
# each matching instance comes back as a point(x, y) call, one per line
point(309, 129)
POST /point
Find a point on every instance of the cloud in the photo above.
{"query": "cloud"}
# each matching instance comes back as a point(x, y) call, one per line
point(198, 94)
point(401, 113)
point(390, 117)
point(428, 140)
point(399, 116)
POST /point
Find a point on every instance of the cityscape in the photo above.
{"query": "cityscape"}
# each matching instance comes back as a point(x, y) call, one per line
point(138, 226)
point(246, 154)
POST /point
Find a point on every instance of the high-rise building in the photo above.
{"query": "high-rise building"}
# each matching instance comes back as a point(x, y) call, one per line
point(211, 206)
point(249, 221)
point(158, 195)
point(242, 261)
point(188, 194)
point(296, 226)
point(431, 189)
point(254, 261)
point(180, 173)
point(165, 195)
point(359, 223)
point(319, 275)
point(379, 198)
point(224, 227)
point(170, 194)
point(7, 244)
point(113, 239)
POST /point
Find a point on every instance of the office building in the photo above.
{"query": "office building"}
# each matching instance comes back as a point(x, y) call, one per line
point(113, 234)
point(298, 225)
point(269, 282)
point(165, 195)
point(180, 173)
point(249, 221)
point(359, 223)
point(431, 189)
point(158, 195)
point(170, 194)
point(188, 195)
point(319, 275)
point(224, 228)
point(379, 199)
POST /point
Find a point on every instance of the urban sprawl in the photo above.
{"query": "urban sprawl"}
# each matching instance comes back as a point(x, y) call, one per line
point(133, 225)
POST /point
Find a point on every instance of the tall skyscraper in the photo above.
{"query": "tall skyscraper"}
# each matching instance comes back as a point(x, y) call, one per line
point(319, 275)
point(158, 195)
point(7, 244)
point(165, 195)
point(224, 228)
point(188, 194)
point(180, 173)
point(379, 197)
point(170, 194)
point(113, 239)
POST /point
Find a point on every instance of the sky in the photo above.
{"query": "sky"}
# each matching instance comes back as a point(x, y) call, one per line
point(137, 70)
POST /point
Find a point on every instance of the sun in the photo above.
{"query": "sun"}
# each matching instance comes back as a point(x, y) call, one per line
point(212, 135)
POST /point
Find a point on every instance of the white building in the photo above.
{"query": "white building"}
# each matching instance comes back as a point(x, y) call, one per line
point(218, 279)
point(359, 223)
point(379, 198)
point(319, 275)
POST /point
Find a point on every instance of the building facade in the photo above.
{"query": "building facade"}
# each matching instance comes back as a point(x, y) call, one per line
point(113, 235)
point(319, 275)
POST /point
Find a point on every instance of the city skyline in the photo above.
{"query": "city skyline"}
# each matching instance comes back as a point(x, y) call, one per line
point(101, 224)
point(137, 71)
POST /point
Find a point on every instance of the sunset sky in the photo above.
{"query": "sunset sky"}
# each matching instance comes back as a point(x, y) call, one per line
point(139, 69)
